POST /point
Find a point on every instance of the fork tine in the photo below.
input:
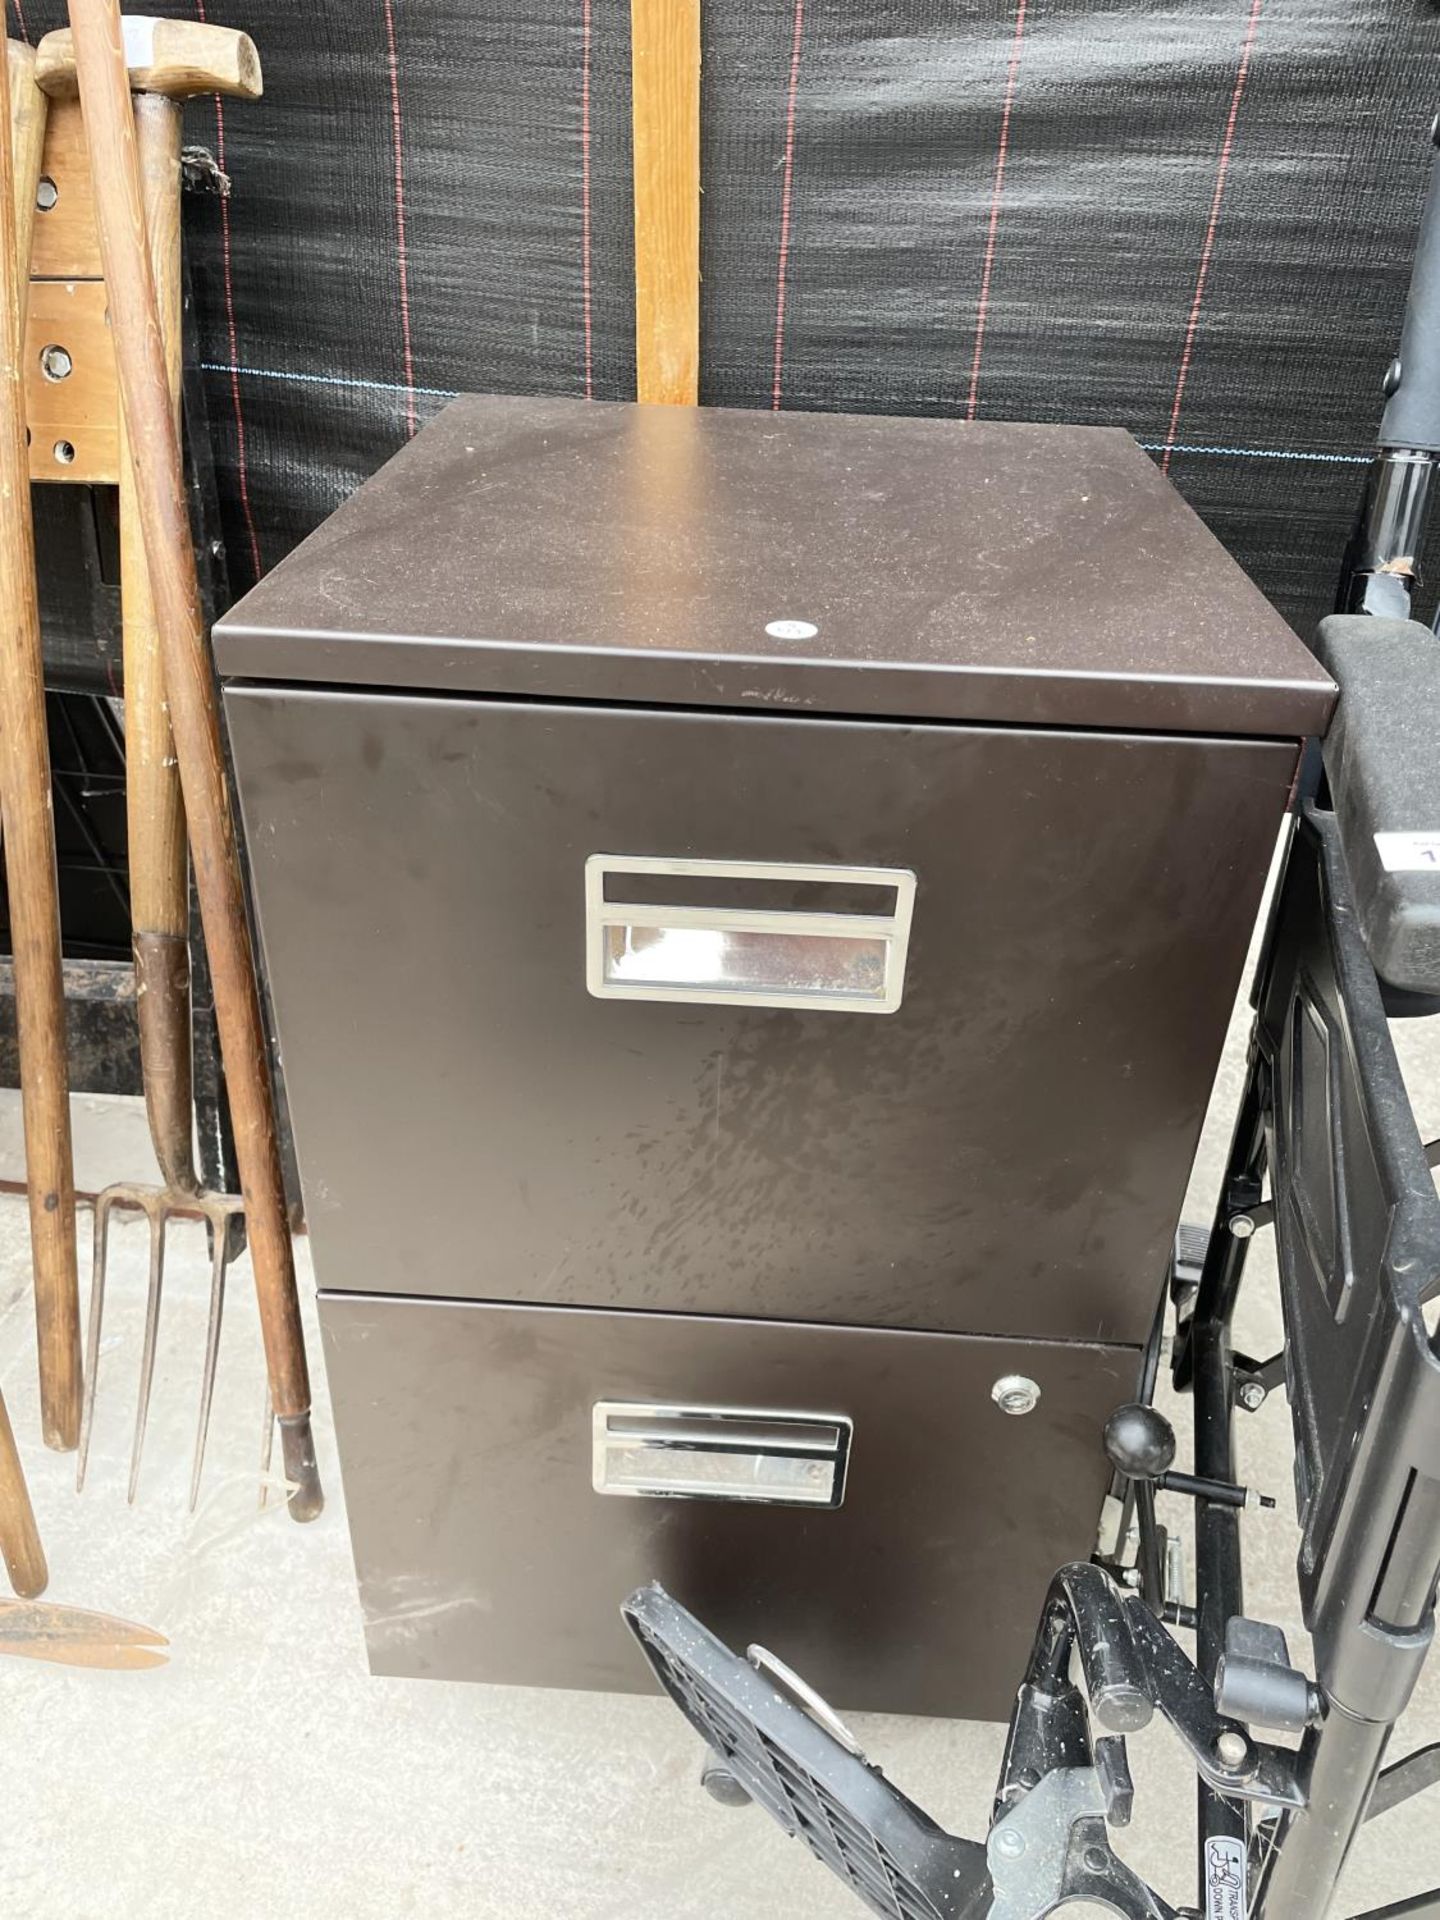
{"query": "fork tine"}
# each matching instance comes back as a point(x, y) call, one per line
point(156, 1217)
point(219, 1268)
point(267, 1448)
point(99, 1233)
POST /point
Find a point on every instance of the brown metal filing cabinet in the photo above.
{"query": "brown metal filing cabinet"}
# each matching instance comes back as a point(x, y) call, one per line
point(752, 904)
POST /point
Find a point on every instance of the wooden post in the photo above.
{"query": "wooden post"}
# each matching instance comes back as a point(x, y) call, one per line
point(665, 96)
point(75, 422)
point(30, 835)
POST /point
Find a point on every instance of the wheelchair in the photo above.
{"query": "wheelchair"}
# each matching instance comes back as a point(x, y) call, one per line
point(1326, 1155)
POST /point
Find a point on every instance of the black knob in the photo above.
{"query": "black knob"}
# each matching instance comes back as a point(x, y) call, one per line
point(1140, 1442)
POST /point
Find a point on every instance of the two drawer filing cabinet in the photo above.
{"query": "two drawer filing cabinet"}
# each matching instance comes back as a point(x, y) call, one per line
point(752, 904)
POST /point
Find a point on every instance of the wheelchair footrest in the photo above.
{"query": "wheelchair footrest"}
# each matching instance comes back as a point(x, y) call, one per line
point(886, 1850)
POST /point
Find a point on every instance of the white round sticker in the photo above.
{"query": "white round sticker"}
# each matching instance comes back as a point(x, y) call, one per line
point(791, 630)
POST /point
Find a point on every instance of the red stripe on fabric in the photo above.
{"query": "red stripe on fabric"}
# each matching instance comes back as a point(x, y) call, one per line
point(997, 189)
point(1227, 149)
point(586, 301)
point(787, 182)
point(22, 23)
point(402, 259)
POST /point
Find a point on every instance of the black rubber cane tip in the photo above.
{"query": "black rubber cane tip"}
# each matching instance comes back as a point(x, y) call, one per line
point(307, 1499)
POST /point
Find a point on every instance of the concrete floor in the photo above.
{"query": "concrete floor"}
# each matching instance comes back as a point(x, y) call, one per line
point(264, 1773)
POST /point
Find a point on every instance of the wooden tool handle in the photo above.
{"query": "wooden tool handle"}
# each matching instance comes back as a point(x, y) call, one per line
point(30, 856)
point(194, 717)
point(19, 1536)
point(665, 102)
point(158, 902)
point(28, 112)
point(159, 876)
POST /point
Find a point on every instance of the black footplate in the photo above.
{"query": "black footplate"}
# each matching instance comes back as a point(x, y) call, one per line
point(886, 1850)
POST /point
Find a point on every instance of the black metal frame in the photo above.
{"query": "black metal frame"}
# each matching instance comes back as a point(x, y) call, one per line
point(1358, 1244)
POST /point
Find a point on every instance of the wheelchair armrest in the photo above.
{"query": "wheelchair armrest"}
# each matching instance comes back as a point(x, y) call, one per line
point(1382, 761)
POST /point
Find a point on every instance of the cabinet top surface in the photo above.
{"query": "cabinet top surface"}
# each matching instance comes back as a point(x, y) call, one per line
point(843, 564)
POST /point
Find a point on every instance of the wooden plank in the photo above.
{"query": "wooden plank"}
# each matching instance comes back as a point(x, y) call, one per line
point(80, 412)
point(665, 103)
point(64, 244)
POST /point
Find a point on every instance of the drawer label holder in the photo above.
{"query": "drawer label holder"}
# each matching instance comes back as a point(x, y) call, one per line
point(727, 932)
point(646, 1450)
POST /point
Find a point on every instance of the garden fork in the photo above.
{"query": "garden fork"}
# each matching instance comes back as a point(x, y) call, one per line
point(223, 1214)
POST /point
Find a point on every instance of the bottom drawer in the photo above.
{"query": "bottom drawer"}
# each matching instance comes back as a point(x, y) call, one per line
point(468, 1444)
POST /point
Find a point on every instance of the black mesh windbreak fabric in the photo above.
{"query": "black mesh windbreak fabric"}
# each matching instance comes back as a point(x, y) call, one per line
point(1192, 219)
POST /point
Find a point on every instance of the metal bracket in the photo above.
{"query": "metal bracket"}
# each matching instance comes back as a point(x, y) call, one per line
point(1256, 1380)
point(1246, 1212)
point(72, 399)
point(1052, 1848)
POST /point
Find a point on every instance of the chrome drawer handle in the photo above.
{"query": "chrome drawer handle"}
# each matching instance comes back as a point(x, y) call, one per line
point(645, 1450)
point(679, 947)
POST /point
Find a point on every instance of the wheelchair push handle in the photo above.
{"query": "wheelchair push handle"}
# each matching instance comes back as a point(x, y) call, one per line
point(1379, 573)
point(1412, 385)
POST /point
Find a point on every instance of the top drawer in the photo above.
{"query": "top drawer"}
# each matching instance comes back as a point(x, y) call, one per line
point(521, 1072)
